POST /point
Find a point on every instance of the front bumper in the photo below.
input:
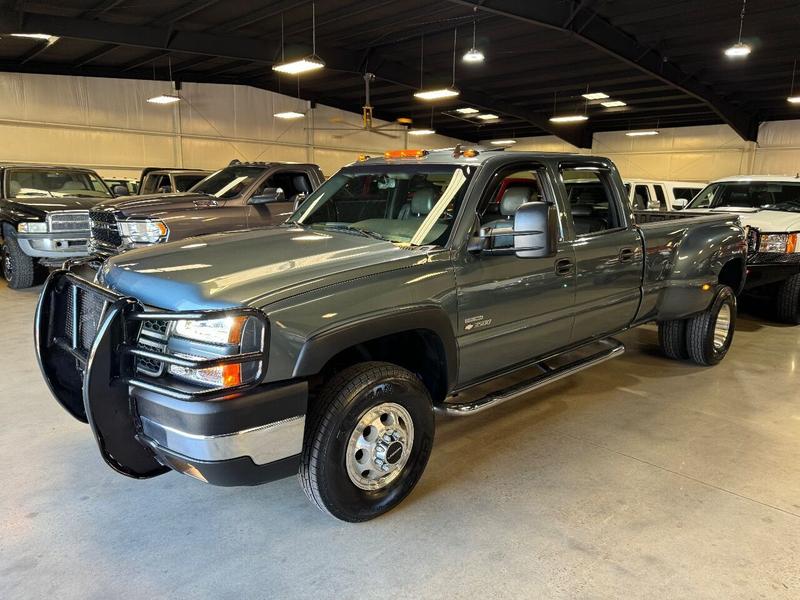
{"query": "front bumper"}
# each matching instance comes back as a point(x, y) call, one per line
point(764, 268)
point(53, 246)
point(86, 343)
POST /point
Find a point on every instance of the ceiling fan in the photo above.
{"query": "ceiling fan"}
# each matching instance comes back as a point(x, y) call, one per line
point(367, 123)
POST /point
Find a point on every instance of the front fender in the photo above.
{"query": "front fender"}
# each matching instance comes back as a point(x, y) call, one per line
point(326, 344)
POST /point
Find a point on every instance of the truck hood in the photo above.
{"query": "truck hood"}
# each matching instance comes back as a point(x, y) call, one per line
point(764, 220)
point(49, 204)
point(250, 268)
point(150, 205)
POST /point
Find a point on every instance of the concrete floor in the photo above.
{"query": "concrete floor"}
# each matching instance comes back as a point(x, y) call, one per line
point(642, 478)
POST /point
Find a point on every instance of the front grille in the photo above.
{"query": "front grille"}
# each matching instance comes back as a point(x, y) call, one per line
point(752, 240)
point(153, 336)
point(104, 228)
point(69, 221)
point(90, 310)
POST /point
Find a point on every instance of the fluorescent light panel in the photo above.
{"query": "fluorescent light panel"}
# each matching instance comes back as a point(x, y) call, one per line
point(503, 142)
point(437, 94)
point(641, 133)
point(794, 99)
point(569, 119)
point(421, 132)
point(595, 96)
point(467, 111)
point(35, 36)
point(289, 114)
point(613, 103)
point(488, 117)
point(304, 65)
point(164, 99)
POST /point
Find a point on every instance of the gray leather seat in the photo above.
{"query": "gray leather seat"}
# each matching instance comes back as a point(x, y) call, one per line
point(422, 202)
point(585, 221)
point(512, 199)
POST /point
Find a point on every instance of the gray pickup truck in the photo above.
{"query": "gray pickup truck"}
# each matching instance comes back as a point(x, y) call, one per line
point(240, 196)
point(402, 286)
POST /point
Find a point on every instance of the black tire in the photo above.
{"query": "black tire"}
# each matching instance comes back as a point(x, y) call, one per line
point(344, 400)
point(672, 339)
point(18, 267)
point(787, 301)
point(700, 329)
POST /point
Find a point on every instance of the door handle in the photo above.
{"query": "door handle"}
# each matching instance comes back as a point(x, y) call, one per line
point(626, 255)
point(563, 266)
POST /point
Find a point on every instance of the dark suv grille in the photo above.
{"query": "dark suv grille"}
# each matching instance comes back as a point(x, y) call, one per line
point(104, 228)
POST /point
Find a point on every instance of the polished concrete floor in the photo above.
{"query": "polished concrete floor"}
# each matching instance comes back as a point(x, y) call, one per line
point(641, 478)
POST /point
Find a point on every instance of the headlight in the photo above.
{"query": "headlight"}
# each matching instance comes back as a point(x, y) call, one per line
point(32, 227)
point(149, 231)
point(219, 337)
point(778, 242)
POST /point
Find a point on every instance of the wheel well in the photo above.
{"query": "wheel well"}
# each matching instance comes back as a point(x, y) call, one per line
point(732, 275)
point(419, 350)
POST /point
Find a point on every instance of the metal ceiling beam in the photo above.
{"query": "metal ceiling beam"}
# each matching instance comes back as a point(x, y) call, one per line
point(162, 39)
point(589, 26)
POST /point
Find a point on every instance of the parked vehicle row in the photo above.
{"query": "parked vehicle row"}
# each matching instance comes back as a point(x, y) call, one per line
point(661, 195)
point(400, 287)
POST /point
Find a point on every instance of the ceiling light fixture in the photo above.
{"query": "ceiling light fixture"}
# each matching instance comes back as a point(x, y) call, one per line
point(289, 114)
point(792, 99)
point(595, 96)
point(488, 117)
point(302, 65)
point(467, 111)
point(503, 142)
point(164, 99)
point(421, 132)
point(613, 103)
point(641, 133)
point(739, 49)
point(473, 55)
point(569, 119)
point(36, 36)
point(440, 93)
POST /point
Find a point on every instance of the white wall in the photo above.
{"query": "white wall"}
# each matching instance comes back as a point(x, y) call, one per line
point(690, 153)
point(106, 124)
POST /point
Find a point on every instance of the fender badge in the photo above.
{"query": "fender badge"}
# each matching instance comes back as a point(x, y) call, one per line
point(476, 322)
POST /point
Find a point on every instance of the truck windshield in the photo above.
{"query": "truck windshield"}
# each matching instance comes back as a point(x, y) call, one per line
point(55, 183)
point(229, 182)
point(409, 204)
point(766, 195)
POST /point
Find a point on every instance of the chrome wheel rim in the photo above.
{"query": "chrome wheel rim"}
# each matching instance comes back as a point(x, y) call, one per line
point(722, 326)
point(379, 446)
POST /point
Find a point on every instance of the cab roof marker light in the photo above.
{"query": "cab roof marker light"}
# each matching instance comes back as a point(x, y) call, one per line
point(389, 154)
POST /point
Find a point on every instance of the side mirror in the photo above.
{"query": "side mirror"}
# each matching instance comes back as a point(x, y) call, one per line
point(268, 195)
point(120, 190)
point(535, 230)
point(679, 203)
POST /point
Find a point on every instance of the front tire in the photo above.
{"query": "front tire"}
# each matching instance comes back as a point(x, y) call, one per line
point(369, 438)
point(710, 333)
point(787, 301)
point(18, 267)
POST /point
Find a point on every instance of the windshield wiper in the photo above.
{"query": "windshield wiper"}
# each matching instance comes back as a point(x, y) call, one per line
point(362, 232)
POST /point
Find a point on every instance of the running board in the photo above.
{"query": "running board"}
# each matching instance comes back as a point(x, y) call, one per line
point(601, 351)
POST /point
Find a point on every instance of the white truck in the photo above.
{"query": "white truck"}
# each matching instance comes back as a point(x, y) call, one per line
point(769, 209)
point(648, 194)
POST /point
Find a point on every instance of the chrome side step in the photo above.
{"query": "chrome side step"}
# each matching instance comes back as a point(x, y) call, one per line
point(600, 351)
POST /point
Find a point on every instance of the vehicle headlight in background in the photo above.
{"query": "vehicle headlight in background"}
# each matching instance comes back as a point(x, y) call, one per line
point(778, 242)
point(215, 338)
point(32, 227)
point(148, 231)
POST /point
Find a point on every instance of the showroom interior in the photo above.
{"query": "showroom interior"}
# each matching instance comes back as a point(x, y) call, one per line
point(264, 262)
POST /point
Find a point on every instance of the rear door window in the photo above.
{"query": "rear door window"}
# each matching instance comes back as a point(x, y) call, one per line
point(660, 196)
point(641, 197)
point(591, 200)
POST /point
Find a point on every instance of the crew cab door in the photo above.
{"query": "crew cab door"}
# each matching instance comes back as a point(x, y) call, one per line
point(511, 310)
point(608, 251)
point(296, 183)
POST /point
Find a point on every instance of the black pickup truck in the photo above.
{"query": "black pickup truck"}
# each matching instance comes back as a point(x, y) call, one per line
point(44, 217)
point(402, 286)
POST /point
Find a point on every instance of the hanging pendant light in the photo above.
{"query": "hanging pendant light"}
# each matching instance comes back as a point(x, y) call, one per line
point(473, 55)
point(739, 49)
point(438, 93)
point(302, 65)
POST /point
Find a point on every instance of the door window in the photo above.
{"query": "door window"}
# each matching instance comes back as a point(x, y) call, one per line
point(641, 197)
point(293, 183)
point(591, 200)
point(662, 199)
point(510, 189)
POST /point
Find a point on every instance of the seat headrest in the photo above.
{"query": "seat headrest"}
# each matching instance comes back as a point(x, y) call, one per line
point(301, 184)
point(14, 187)
point(422, 201)
point(582, 210)
point(513, 198)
